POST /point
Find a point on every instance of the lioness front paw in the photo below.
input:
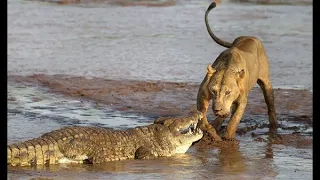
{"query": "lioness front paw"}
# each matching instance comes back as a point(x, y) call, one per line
point(214, 136)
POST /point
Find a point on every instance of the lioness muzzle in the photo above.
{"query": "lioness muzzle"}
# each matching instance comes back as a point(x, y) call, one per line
point(229, 80)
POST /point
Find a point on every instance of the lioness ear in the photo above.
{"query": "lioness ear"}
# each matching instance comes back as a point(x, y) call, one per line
point(240, 74)
point(210, 70)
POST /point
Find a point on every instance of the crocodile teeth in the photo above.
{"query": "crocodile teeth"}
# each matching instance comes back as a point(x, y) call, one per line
point(198, 130)
point(193, 127)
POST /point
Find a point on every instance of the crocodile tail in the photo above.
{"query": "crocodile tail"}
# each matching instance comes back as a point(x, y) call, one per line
point(214, 37)
point(17, 154)
point(32, 152)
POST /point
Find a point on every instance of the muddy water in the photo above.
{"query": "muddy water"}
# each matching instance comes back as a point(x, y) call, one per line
point(33, 111)
point(152, 43)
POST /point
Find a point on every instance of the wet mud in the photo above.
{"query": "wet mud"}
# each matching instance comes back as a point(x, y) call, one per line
point(165, 98)
point(157, 98)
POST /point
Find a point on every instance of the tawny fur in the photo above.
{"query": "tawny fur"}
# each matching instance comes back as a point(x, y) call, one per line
point(229, 80)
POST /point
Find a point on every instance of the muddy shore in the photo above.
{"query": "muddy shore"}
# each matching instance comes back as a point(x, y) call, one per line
point(158, 98)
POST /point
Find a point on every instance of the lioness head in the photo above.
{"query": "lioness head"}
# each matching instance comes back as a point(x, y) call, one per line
point(224, 88)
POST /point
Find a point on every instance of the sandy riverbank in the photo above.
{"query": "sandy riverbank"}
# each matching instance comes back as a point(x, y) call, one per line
point(157, 98)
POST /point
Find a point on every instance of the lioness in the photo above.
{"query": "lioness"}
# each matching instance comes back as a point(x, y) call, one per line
point(229, 80)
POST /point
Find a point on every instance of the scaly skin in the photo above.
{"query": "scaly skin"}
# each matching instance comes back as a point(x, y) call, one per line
point(182, 122)
point(78, 144)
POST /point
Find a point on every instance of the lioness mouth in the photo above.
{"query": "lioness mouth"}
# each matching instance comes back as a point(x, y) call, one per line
point(222, 116)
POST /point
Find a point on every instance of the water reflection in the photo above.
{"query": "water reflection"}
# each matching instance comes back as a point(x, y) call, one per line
point(248, 160)
point(231, 160)
point(195, 165)
point(222, 160)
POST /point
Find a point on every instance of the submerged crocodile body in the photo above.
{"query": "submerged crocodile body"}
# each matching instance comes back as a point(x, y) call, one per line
point(79, 144)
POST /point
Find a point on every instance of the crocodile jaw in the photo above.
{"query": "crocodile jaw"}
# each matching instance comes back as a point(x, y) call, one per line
point(186, 140)
point(182, 149)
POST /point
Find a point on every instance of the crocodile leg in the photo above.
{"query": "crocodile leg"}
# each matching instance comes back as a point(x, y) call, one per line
point(78, 150)
point(143, 153)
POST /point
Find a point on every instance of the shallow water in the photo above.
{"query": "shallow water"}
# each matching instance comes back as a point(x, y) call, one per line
point(33, 111)
point(167, 43)
point(31, 108)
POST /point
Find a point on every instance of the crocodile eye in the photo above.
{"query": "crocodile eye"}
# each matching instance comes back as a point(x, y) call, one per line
point(227, 93)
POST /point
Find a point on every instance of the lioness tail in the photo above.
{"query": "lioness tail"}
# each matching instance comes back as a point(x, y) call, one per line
point(215, 38)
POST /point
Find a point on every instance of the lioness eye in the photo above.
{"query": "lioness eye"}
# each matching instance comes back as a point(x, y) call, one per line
point(228, 92)
point(214, 92)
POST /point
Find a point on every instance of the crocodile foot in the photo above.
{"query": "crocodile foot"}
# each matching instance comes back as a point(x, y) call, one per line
point(143, 153)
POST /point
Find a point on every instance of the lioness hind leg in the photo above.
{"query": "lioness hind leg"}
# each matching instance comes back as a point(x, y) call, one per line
point(267, 90)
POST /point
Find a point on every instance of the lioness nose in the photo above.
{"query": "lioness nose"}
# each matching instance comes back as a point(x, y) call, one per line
point(217, 107)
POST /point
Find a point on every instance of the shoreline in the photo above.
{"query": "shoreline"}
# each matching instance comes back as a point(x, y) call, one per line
point(158, 98)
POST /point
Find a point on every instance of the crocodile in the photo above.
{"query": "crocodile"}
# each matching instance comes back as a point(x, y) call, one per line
point(82, 144)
